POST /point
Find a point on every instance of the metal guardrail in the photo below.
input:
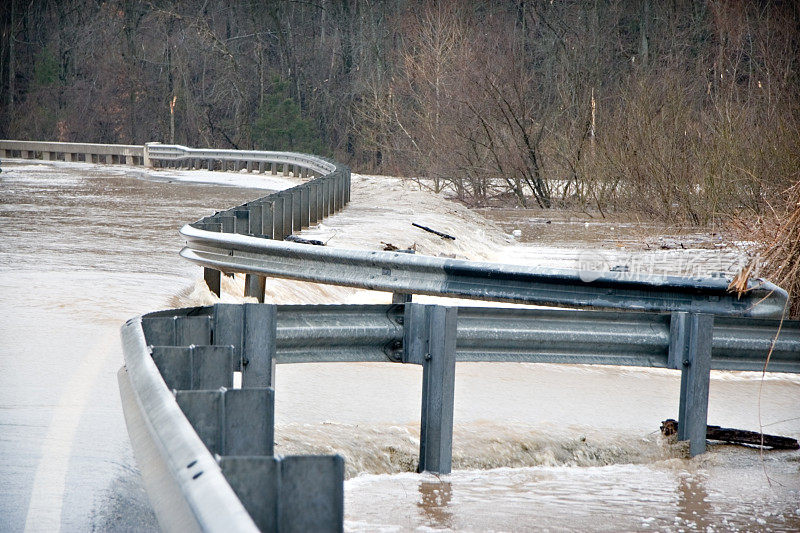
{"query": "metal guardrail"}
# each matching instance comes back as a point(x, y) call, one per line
point(272, 217)
point(185, 484)
point(166, 154)
point(374, 333)
point(197, 350)
point(87, 152)
point(405, 273)
point(206, 449)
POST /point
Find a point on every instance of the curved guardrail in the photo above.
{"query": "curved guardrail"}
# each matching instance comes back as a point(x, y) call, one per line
point(275, 216)
point(175, 155)
point(405, 273)
point(186, 487)
point(243, 239)
point(192, 352)
point(205, 447)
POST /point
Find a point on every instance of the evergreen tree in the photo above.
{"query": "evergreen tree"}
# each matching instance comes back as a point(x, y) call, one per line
point(281, 126)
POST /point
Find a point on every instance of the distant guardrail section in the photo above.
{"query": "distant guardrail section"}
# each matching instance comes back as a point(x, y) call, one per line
point(74, 152)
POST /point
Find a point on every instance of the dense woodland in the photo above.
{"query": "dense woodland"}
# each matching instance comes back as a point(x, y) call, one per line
point(679, 110)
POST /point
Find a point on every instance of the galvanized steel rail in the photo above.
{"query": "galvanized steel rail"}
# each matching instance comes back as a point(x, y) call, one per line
point(89, 153)
point(275, 216)
point(414, 274)
point(374, 333)
point(194, 351)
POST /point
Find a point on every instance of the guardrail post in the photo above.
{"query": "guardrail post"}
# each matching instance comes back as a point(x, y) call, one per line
point(252, 330)
point(429, 338)
point(305, 218)
point(292, 493)
point(335, 192)
point(277, 217)
point(286, 169)
point(273, 168)
point(312, 202)
point(256, 214)
point(232, 421)
point(260, 333)
point(401, 298)
point(320, 185)
point(210, 276)
point(213, 279)
point(691, 336)
point(287, 213)
point(297, 208)
point(254, 286)
point(332, 194)
point(326, 198)
point(227, 221)
point(195, 367)
point(177, 330)
point(339, 194)
point(267, 219)
point(242, 221)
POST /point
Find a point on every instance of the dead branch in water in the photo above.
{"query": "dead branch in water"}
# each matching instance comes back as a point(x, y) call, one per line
point(439, 233)
point(737, 436)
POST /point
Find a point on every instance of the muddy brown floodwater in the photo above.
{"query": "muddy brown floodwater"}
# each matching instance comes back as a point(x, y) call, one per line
point(536, 447)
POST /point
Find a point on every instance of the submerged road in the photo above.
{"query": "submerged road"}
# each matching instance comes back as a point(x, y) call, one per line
point(84, 248)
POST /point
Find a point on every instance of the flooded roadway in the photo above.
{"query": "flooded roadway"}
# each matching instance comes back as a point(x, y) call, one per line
point(84, 248)
point(545, 447)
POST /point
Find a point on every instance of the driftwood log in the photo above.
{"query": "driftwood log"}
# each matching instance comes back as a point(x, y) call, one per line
point(295, 238)
point(737, 436)
point(439, 233)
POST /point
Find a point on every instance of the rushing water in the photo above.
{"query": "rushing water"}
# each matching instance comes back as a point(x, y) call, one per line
point(536, 447)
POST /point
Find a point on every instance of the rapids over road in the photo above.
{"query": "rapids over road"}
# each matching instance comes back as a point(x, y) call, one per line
point(536, 447)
